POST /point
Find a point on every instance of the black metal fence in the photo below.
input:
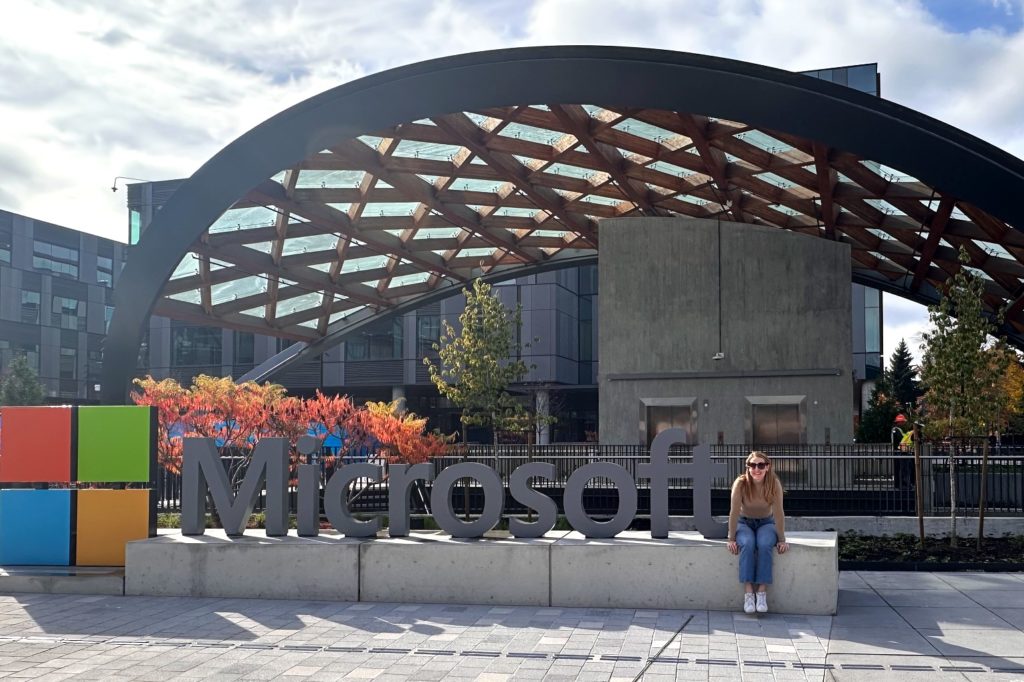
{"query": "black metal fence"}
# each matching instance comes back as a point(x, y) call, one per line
point(819, 480)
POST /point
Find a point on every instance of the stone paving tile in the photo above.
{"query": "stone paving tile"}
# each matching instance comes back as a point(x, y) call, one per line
point(162, 639)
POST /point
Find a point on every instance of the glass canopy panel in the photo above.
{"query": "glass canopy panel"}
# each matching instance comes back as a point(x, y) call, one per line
point(329, 179)
point(670, 169)
point(341, 207)
point(294, 305)
point(515, 211)
point(371, 141)
point(763, 141)
point(390, 208)
point(239, 288)
point(414, 278)
point(437, 233)
point(344, 313)
point(570, 171)
point(884, 206)
point(644, 130)
point(993, 249)
point(316, 242)
point(521, 131)
point(552, 233)
point(476, 253)
point(881, 234)
point(475, 185)
point(978, 273)
point(244, 219)
point(598, 199)
point(191, 296)
point(367, 263)
point(427, 150)
point(188, 266)
point(776, 180)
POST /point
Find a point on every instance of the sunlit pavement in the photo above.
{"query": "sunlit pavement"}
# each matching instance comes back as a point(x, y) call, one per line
point(922, 626)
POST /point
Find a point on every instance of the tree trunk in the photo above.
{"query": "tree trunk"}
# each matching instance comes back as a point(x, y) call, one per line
point(954, 540)
point(982, 494)
point(917, 483)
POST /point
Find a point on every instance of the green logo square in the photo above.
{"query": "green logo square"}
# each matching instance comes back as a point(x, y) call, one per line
point(114, 443)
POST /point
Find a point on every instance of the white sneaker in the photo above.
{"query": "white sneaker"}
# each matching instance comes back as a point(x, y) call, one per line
point(762, 602)
point(748, 602)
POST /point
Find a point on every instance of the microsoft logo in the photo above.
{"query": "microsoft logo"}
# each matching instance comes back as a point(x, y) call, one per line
point(86, 452)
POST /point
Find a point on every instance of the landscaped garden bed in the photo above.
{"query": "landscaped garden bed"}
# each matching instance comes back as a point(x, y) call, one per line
point(903, 552)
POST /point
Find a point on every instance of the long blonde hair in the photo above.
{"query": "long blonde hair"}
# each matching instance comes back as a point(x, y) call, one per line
point(771, 486)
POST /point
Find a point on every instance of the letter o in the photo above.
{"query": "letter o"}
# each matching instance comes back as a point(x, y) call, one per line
point(441, 499)
point(573, 500)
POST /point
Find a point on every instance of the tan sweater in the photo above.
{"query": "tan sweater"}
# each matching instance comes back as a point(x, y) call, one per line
point(757, 508)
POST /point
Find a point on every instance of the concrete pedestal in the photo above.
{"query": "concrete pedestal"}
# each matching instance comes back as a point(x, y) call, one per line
point(254, 565)
point(685, 571)
point(442, 570)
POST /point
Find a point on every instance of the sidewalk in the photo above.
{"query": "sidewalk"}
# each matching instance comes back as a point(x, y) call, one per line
point(917, 626)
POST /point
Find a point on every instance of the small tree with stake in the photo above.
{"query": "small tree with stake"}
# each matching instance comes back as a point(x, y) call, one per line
point(479, 362)
point(961, 376)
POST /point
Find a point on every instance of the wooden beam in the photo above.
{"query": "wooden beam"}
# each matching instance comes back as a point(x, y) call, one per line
point(715, 164)
point(827, 180)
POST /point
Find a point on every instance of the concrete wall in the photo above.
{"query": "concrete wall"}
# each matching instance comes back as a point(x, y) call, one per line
point(777, 308)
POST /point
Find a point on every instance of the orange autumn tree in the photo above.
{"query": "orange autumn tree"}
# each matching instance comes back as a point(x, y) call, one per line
point(237, 416)
point(169, 399)
point(401, 438)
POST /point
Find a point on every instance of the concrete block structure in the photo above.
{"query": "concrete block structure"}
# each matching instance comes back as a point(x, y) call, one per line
point(563, 568)
point(735, 333)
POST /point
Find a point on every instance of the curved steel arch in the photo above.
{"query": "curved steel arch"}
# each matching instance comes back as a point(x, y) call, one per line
point(938, 154)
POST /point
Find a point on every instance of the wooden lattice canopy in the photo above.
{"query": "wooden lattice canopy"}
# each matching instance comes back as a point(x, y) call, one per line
point(371, 218)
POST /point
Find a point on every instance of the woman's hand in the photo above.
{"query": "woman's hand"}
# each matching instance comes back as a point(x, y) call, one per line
point(782, 547)
point(733, 547)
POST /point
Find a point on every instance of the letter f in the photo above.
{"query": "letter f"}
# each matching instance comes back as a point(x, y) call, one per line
point(659, 471)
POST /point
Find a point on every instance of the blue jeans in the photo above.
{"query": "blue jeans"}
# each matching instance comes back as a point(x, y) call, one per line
point(757, 539)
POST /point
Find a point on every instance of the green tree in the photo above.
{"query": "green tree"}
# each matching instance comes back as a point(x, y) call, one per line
point(479, 362)
point(21, 385)
point(962, 377)
point(877, 421)
point(901, 376)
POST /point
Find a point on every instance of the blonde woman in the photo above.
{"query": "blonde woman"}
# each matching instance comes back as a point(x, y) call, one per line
point(757, 525)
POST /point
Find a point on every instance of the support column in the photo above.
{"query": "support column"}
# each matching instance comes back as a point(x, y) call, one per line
point(398, 393)
point(542, 407)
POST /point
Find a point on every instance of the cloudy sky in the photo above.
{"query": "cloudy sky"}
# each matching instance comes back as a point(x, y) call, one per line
point(151, 89)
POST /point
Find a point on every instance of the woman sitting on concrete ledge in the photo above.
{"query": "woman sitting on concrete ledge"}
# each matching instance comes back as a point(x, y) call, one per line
point(757, 525)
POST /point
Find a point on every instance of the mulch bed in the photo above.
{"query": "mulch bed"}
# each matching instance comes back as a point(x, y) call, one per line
point(904, 552)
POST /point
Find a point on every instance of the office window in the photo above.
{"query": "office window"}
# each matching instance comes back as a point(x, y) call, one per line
point(244, 348)
point(60, 260)
point(195, 346)
point(68, 363)
point(384, 342)
point(872, 320)
point(108, 315)
point(428, 332)
point(30, 307)
point(6, 236)
point(105, 271)
point(67, 313)
point(10, 350)
point(134, 226)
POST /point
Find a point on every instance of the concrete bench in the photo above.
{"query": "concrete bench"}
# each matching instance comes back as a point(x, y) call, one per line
point(562, 569)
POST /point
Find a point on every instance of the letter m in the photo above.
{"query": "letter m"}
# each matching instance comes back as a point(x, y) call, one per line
point(202, 469)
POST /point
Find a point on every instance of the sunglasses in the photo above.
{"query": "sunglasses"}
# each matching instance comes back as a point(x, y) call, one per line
point(758, 465)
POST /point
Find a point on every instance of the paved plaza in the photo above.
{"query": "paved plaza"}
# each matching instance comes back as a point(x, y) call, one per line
point(921, 626)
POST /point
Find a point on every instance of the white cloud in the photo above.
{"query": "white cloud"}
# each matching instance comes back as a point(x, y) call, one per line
point(153, 89)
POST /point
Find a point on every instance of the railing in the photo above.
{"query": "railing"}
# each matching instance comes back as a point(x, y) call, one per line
point(819, 480)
